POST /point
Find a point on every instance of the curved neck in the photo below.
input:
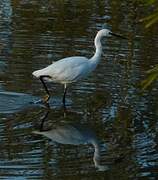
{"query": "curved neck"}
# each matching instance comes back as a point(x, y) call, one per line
point(98, 46)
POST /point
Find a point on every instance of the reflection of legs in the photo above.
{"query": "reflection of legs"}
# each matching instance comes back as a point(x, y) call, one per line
point(65, 90)
point(46, 97)
point(43, 120)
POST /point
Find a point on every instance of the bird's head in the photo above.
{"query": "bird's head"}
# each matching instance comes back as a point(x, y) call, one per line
point(108, 33)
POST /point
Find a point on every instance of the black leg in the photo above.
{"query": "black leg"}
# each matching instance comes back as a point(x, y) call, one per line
point(45, 87)
point(65, 90)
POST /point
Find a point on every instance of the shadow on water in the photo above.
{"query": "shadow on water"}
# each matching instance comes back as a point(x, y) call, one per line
point(11, 102)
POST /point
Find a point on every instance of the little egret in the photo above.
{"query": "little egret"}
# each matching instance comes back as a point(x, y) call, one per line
point(72, 69)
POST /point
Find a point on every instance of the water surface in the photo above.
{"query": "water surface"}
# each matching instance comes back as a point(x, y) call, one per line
point(109, 101)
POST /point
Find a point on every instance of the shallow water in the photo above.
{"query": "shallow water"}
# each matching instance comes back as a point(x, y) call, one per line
point(107, 106)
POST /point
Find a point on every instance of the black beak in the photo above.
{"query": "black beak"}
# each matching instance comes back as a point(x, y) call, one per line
point(117, 35)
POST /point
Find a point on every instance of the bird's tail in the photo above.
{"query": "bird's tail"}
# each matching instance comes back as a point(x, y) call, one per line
point(36, 73)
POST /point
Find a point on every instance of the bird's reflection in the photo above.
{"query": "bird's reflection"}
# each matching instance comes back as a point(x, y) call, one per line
point(73, 134)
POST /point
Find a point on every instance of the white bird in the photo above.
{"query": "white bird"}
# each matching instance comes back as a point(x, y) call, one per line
point(72, 69)
point(75, 135)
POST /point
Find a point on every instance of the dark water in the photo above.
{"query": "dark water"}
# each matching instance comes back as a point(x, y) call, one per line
point(107, 107)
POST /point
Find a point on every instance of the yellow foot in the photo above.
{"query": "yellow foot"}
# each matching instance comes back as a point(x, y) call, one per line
point(45, 98)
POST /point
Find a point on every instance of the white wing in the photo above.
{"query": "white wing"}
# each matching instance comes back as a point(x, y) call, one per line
point(66, 70)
